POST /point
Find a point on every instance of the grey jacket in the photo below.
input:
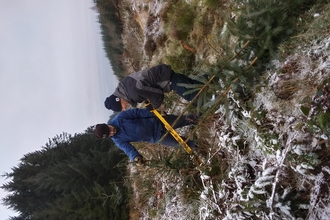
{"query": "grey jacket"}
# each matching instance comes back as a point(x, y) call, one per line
point(148, 84)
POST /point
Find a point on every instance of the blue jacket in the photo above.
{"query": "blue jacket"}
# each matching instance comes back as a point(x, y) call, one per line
point(135, 125)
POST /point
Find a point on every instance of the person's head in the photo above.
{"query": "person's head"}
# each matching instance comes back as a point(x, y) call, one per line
point(104, 130)
point(115, 103)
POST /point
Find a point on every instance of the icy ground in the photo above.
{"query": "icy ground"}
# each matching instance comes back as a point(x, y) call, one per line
point(270, 166)
point(265, 179)
point(280, 173)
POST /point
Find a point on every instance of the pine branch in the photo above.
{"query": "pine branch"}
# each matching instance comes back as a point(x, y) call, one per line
point(205, 85)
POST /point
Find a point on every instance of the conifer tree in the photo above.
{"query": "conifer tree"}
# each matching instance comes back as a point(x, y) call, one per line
point(256, 28)
point(72, 177)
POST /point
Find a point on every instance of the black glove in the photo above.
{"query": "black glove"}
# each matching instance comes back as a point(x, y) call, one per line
point(149, 107)
point(139, 160)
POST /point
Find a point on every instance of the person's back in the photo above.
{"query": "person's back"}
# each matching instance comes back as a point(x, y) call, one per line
point(150, 85)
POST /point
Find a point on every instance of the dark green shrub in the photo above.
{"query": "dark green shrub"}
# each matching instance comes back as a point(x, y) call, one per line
point(182, 62)
point(181, 20)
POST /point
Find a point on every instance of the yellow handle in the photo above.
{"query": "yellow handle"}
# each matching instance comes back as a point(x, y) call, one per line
point(175, 135)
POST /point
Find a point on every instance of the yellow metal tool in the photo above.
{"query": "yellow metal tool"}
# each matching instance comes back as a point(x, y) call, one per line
point(177, 137)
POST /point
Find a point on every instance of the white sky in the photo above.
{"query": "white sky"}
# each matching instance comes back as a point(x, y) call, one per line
point(54, 75)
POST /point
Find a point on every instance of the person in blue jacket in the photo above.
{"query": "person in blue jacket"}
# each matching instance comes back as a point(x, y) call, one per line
point(141, 125)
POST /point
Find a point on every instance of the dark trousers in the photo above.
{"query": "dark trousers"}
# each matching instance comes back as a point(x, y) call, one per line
point(177, 78)
point(169, 140)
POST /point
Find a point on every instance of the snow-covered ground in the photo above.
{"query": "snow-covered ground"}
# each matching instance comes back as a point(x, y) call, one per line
point(276, 159)
point(286, 154)
point(279, 174)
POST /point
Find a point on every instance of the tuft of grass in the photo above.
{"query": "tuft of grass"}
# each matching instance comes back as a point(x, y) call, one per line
point(150, 47)
point(285, 89)
point(203, 26)
point(181, 62)
point(313, 25)
point(161, 40)
point(181, 20)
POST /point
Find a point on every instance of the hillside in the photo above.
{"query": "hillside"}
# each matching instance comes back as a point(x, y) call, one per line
point(264, 133)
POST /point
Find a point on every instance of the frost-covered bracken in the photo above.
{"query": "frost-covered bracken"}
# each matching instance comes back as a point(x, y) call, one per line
point(277, 172)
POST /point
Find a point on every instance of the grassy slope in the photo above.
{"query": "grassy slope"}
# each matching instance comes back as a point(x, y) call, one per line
point(266, 157)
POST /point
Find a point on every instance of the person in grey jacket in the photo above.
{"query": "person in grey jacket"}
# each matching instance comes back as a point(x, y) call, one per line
point(140, 125)
point(149, 85)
